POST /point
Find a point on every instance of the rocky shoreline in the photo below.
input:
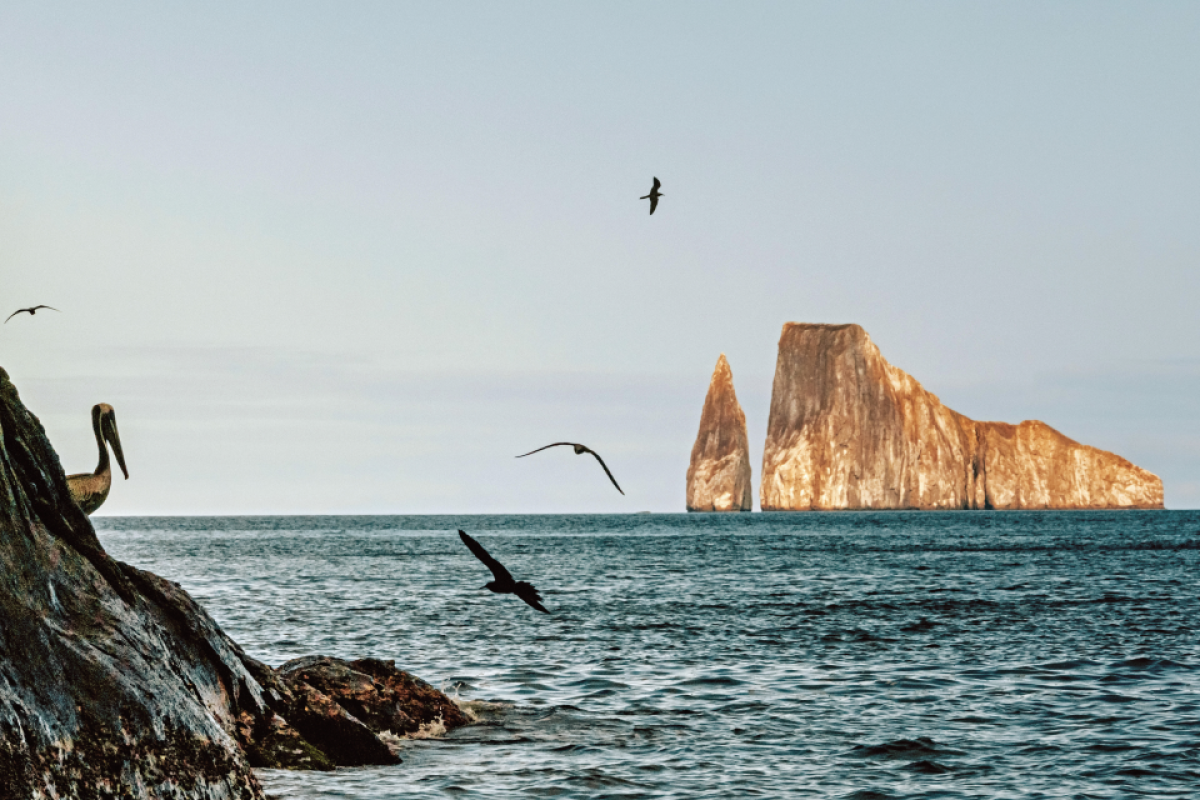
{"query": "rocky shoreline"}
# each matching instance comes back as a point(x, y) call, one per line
point(114, 682)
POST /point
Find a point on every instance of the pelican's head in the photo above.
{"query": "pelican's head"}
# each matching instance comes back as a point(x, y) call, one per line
point(104, 419)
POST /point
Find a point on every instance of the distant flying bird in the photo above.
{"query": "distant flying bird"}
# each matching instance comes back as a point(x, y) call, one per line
point(503, 583)
point(579, 450)
point(89, 490)
point(29, 311)
point(653, 196)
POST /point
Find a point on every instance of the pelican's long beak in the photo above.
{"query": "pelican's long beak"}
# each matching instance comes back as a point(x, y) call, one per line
point(113, 438)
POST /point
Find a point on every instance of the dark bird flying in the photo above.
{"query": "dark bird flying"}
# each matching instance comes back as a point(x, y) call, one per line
point(580, 450)
point(503, 583)
point(29, 311)
point(653, 196)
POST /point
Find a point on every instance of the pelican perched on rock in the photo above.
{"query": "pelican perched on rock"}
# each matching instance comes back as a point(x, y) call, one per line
point(90, 490)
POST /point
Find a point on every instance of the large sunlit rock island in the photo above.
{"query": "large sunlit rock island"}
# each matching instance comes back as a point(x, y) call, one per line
point(847, 430)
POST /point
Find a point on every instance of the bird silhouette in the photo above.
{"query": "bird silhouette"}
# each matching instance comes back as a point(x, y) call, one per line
point(653, 196)
point(580, 450)
point(29, 311)
point(503, 583)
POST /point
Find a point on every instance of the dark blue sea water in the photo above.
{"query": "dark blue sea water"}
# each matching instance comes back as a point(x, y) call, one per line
point(846, 655)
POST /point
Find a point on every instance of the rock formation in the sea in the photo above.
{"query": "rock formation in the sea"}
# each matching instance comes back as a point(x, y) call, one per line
point(718, 478)
point(848, 430)
point(343, 707)
point(115, 683)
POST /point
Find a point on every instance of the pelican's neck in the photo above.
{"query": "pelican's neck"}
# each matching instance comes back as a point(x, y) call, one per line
point(103, 466)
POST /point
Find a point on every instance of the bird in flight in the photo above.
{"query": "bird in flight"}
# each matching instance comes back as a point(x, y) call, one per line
point(29, 311)
point(579, 450)
point(653, 196)
point(503, 583)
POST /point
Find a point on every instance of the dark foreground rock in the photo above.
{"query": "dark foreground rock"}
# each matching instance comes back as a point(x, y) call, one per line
point(115, 683)
point(849, 430)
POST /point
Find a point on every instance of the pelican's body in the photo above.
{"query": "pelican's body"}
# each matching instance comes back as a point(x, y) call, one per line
point(89, 490)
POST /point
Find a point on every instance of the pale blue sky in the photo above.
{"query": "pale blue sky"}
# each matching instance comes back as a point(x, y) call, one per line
point(352, 257)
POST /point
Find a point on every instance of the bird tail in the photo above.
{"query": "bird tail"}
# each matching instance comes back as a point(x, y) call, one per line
point(530, 595)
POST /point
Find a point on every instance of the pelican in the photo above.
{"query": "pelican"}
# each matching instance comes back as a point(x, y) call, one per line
point(653, 196)
point(89, 490)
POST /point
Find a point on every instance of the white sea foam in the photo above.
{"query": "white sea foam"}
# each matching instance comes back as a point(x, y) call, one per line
point(479, 710)
point(473, 710)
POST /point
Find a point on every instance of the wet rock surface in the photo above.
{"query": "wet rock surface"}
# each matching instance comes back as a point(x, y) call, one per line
point(850, 431)
point(114, 682)
point(344, 706)
point(718, 476)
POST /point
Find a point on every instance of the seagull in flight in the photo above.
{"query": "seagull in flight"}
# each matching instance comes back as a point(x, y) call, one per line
point(653, 198)
point(503, 583)
point(579, 450)
point(29, 311)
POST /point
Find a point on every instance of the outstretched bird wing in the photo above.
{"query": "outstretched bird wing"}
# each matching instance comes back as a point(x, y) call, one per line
point(502, 575)
point(606, 472)
point(656, 185)
point(526, 592)
point(547, 447)
point(29, 311)
point(653, 202)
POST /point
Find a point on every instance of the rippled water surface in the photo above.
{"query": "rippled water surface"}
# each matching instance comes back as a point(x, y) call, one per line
point(848, 655)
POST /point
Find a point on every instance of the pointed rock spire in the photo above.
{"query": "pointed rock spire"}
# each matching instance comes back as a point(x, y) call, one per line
point(718, 478)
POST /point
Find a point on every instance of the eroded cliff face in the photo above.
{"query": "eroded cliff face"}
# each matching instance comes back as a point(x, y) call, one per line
point(718, 478)
point(848, 430)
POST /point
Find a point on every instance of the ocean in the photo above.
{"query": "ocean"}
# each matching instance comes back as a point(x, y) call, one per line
point(866, 656)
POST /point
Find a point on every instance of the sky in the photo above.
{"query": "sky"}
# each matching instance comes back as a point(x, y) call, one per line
point(353, 258)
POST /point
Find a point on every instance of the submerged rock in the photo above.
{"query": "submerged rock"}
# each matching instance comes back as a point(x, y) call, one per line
point(848, 430)
point(115, 683)
point(718, 477)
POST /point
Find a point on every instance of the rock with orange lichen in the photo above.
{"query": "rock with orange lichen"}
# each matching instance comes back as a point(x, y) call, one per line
point(848, 430)
point(353, 710)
